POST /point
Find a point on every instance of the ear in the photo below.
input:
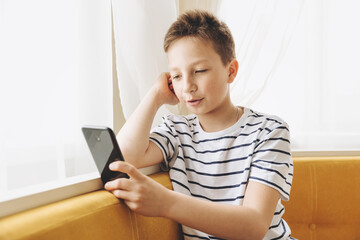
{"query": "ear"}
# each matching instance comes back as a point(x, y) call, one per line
point(233, 68)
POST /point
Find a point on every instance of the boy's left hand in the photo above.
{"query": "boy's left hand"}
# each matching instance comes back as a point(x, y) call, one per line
point(140, 193)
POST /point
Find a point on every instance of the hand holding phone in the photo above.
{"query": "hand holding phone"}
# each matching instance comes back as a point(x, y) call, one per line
point(104, 150)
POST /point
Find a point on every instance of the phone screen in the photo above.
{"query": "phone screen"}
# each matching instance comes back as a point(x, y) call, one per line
point(104, 149)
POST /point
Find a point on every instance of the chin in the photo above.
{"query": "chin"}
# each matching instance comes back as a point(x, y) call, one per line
point(195, 111)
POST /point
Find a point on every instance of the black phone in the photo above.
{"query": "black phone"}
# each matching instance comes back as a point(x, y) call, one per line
point(104, 150)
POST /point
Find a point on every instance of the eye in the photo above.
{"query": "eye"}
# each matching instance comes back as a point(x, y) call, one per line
point(200, 70)
point(175, 77)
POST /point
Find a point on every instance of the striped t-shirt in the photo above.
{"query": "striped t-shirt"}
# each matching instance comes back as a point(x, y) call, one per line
point(217, 166)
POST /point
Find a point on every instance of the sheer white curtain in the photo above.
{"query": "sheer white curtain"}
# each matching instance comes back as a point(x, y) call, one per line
point(298, 60)
point(139, 30)
point(327, 76)
point(55, 76)
point(207, 5)
point(262, 32)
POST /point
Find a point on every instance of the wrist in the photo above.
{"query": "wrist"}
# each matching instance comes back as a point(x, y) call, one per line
point(170, 200)
point(156, 97)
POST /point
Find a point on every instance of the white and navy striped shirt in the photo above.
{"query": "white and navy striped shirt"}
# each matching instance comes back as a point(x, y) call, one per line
point(217, 166)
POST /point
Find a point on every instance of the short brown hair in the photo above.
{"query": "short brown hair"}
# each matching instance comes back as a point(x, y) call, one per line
point(203, 25)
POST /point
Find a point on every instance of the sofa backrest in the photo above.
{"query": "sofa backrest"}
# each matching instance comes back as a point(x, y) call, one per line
point(324, 199)
point(96, 215)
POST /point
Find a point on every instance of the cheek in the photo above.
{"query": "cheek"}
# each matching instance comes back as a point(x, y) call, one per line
point(216, 88)
point(177, 90)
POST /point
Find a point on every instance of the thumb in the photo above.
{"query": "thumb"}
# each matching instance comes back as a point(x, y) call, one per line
point(127, 168)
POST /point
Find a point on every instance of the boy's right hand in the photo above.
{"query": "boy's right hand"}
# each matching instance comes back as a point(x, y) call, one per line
point(164, 91)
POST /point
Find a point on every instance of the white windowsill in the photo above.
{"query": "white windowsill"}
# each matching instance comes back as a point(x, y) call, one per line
point(23, 199)
point(324, 153)
point(20, 200)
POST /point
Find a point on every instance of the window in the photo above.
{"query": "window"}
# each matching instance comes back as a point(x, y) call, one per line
point(56, 76)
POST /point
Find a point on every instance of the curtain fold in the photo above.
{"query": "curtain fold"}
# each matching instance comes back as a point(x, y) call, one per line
point(139, 30)
point(262, 32)
point(55, 77)
point(212, 6)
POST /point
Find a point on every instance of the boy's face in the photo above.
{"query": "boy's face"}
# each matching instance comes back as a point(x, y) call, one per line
point(200, 79)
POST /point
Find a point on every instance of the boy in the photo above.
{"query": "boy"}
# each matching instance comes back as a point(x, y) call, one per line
point(229, 166)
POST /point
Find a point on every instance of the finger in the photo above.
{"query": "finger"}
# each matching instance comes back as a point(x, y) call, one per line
point(122, 194)
point(167, 74)
point(128, 197)
point(114, 166)
point(170, 85)
point(127, 168)
point(119, 183)
point(132, 205)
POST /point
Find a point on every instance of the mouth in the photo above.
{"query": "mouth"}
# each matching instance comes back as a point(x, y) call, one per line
point(194, 102)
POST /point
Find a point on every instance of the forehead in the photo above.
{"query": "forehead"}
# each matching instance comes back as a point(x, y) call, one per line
point(189, 51)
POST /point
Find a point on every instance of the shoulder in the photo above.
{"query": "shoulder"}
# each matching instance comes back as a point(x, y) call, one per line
point(180, 118)
point(180, 121)
point(265, 125)
point(268, 121)
point(177, 124)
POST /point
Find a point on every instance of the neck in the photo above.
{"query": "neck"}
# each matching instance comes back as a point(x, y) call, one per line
point(220, 119)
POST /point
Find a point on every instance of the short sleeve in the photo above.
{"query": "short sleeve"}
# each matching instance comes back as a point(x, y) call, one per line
point(164, 136)
point(272, 163)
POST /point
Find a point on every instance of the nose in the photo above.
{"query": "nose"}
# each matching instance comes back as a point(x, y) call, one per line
point(189, 84)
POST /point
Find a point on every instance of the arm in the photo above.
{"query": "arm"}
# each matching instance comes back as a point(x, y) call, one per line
point(133, 137)
point(249, 221)
point(147, 197)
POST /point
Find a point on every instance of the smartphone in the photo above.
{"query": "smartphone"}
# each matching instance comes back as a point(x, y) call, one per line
point(104, 150)
point(171, 87)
